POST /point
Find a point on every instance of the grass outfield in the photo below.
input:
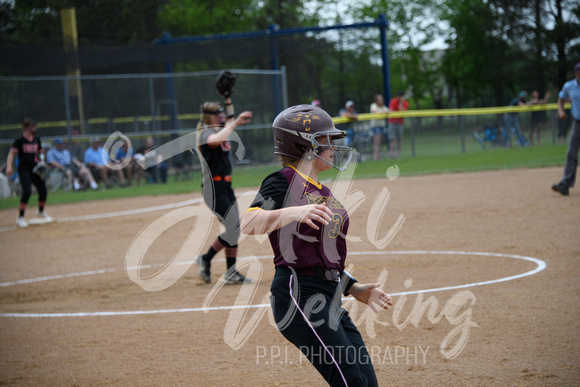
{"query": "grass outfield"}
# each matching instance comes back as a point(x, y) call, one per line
point(477, 160)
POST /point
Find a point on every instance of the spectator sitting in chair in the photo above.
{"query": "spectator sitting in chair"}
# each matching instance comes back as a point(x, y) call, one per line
point(157, 170)
point(60, 159)
point(96, 160)
point(126, 157)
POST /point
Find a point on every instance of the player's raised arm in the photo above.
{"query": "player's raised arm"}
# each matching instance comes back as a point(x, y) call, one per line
point(222, 135)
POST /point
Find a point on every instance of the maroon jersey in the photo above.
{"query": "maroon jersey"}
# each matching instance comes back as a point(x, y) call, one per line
point(297, 244)
point(28, 148)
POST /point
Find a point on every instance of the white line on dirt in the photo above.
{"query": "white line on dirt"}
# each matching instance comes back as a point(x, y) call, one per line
point(540, 265)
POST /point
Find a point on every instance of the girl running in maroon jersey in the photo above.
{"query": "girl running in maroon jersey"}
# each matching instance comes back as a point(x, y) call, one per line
point(307, 229)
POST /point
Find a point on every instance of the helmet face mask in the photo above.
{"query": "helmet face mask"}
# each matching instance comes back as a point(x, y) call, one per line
point(297, 128)
point(342, 155)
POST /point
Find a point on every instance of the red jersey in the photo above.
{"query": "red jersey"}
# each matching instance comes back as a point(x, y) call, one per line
point(394, 107)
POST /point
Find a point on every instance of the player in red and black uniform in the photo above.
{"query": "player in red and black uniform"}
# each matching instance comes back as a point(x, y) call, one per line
point(213, 144)
point(28, 148)
point(307, 229)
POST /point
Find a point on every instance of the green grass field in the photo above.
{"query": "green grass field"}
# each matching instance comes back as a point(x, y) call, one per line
point(434, 158)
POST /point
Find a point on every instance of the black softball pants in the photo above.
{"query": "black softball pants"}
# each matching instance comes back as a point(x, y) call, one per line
point(27, 178)
point(223, 204)
point(304, 311)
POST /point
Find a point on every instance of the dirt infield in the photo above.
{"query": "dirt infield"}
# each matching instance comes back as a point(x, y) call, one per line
point(81, 321)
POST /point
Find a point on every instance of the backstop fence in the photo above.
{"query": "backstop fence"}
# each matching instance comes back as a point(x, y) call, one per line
point(166, 106)
point(160, 105)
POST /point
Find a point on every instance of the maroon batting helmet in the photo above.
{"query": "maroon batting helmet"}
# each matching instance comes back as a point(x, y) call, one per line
point(297, 128)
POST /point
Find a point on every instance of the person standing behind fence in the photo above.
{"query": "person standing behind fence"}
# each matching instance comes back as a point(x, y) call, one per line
point(379, 126)
point(571, 91)
point(537, 117)
point(348, 112)
point(563, 126)
point(215, 148)
point(512, 121)
point(28, 148)
point(397, 125)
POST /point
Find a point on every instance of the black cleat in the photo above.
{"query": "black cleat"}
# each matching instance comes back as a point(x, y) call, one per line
point(561, 188)
point(203, 269)
point(235, 278)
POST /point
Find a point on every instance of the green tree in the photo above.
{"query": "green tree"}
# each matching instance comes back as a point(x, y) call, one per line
point(498, 47)
point(412, 26)
point(198, 17)
point(98, 21)
point(563, 40)
point(481, 62)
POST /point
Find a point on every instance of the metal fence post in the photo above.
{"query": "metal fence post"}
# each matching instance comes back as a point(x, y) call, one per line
point(284, 88)
point(553, 115)
point(67, 111)
point(413, 121)
point(462, 131)
point(152, 103)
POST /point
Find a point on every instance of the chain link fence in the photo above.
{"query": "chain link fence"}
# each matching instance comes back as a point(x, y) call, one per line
point(164, 106)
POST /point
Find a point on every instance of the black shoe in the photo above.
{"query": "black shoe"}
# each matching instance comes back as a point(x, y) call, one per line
point(203, 269)
point(561, 188)
point(235, 278)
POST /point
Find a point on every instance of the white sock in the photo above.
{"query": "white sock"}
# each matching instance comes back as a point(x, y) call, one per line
point(94, 185)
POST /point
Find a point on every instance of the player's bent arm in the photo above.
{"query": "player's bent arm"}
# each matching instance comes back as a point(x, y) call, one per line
point(217, 138)
point(546, 97)
point(257, 221)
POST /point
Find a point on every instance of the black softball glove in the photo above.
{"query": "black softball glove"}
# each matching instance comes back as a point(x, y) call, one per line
point(225, 83)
